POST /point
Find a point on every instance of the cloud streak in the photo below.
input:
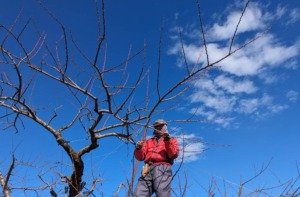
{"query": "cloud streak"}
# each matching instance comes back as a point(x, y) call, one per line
point(191, 148)
point(250, 22)
point(235, 91)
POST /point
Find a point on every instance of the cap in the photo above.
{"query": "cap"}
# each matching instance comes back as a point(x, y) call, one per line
point(159, 122)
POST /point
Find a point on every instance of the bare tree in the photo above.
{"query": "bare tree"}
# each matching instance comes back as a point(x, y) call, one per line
point(219, 186)
point(12, 173)
point(101, 99)
point(5, 179)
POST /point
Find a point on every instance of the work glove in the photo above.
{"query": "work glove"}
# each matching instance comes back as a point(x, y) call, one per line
point(139, 145)
point(167, 137)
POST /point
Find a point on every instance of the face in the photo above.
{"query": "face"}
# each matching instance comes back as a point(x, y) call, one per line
point(159, 127)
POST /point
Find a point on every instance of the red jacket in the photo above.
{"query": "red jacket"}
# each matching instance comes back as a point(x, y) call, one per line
point(163, 152)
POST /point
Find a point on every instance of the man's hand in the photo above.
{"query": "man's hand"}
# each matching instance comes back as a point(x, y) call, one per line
point(139, 145)
point(166, 136)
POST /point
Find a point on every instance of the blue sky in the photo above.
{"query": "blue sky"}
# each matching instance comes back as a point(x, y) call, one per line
point(248, 104)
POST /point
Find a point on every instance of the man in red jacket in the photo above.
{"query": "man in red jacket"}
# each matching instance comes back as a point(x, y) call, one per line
point(159, 153)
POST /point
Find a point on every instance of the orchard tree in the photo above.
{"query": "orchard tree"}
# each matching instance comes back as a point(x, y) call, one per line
point(83, 93)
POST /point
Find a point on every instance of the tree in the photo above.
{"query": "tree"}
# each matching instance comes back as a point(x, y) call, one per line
point(97, 100)
point(4, 180)
point(224, 187)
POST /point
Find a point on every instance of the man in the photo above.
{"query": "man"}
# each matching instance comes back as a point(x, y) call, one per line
point(159, 153)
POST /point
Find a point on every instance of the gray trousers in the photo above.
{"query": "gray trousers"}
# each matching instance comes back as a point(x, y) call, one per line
point(157, 181)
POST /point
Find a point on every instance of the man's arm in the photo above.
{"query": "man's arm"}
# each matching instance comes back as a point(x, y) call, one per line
point(140, 150)
point(171, 147)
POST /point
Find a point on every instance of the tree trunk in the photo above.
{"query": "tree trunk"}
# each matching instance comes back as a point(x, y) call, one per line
point(76, 177)
point(6, 190)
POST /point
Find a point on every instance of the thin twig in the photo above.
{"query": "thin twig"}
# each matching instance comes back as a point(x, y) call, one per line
point(202, 30)
point(237, 26)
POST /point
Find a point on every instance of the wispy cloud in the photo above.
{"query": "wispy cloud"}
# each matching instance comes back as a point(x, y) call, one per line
point(222, 92)
point(232, 86)
point(222, 96)
point(262, 54)
point(294, 16)
point(292, 95)
point(280, 11)
point(252, 20)
point(236, 90)
point(289, 15)
point(191, 148)
point(259, 107)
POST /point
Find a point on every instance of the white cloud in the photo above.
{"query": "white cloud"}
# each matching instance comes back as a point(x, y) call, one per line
point(292, 95)
point(290, 15)
point(190, 148)
point(259, 107)
point(236, 90)
point(219, 93)
point(280, 11)
point(263, 53)
point(252, 20)
point(248, 106)
point(294, 16)
point(220, 103)
point(193, 53)
point(277, 108)
point(220, 97)
point(232, 86)
point(292, 64)
point(274, 53)
point(210, 115)
point(269, 78)
point(225, 122)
